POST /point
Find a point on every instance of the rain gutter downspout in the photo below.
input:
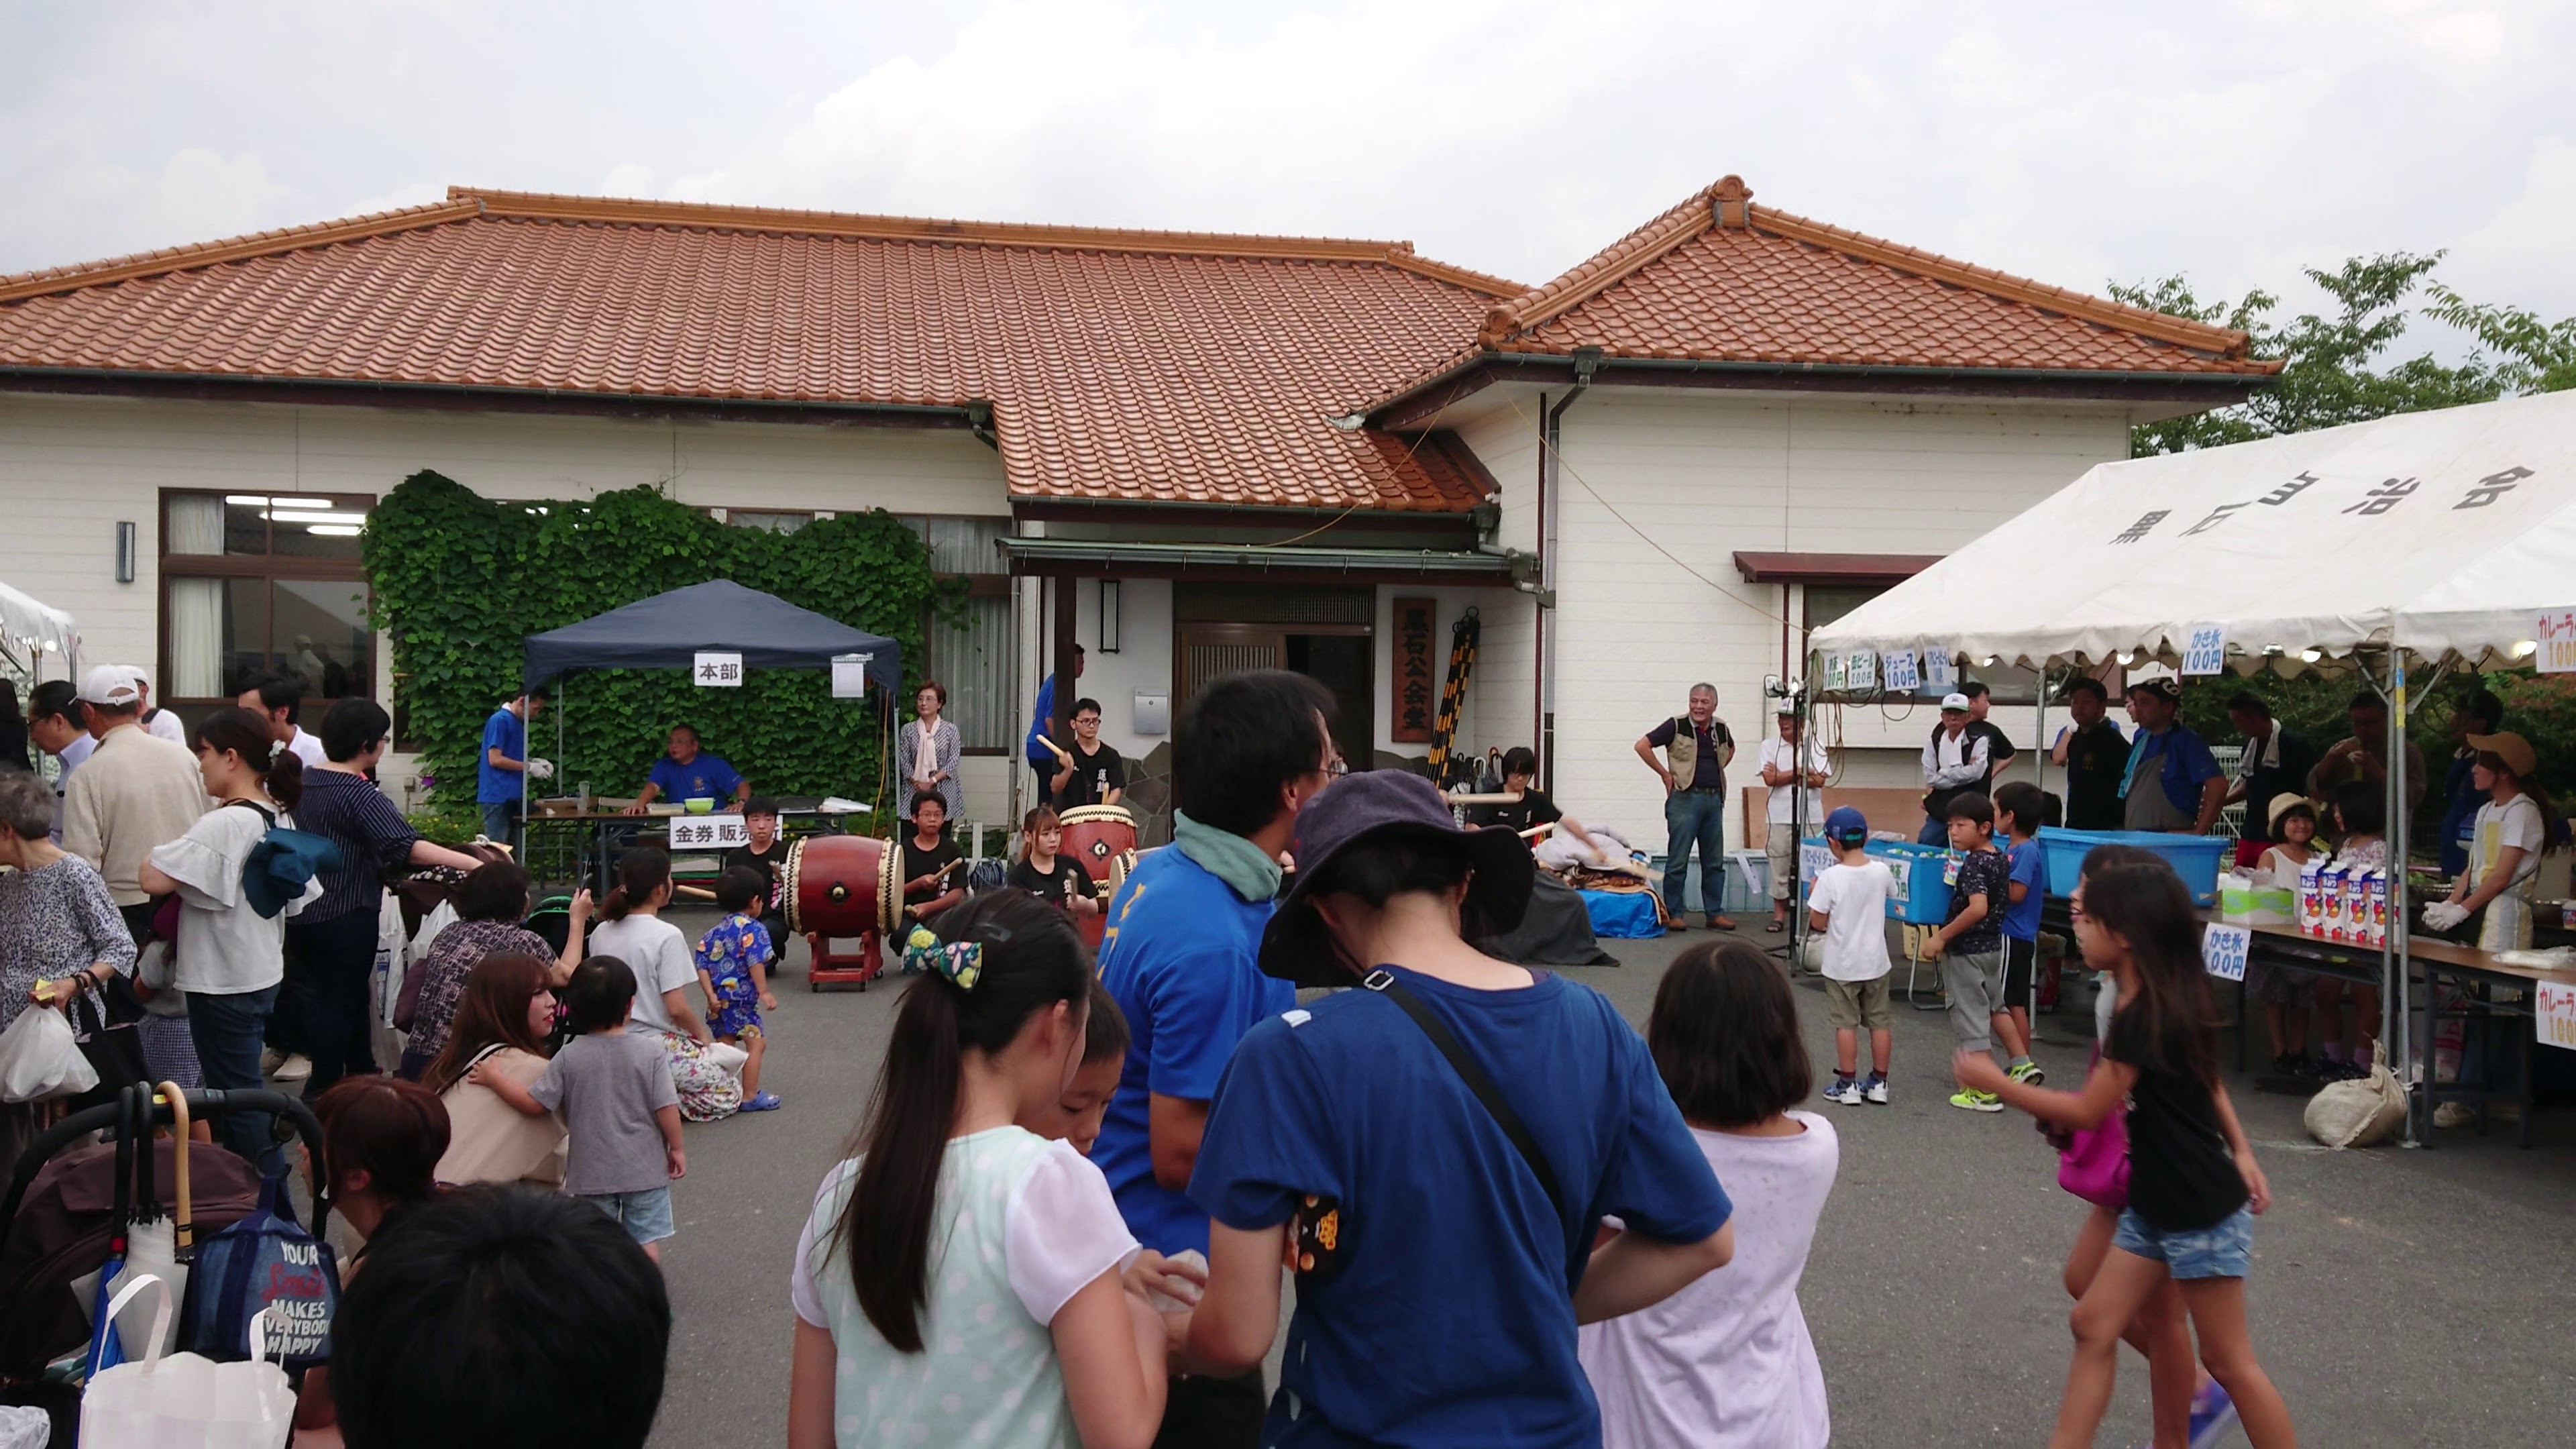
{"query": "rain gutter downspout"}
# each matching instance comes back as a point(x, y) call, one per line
point(1551, 508)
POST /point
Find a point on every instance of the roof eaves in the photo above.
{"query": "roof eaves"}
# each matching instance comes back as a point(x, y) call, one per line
point(777, 220)
point(233, 249)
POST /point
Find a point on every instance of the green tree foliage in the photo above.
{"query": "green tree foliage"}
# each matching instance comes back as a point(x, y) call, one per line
point(460, 579)
point(2335, 372)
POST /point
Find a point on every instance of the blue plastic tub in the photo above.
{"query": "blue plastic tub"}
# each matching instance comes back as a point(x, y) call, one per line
point(2196, 858)
point(1923, 879)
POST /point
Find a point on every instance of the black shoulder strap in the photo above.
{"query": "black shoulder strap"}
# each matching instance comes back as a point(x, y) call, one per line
point(1384, 984)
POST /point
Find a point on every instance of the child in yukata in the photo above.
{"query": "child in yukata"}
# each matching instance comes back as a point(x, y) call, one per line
point(734, 957)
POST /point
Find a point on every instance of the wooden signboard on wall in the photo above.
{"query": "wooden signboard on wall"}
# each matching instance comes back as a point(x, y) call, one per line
point(1414, 698)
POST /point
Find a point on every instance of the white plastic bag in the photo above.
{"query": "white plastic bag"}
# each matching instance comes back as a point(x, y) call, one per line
point(185, 1401)
point(39, 1060)
point(2360, 1113)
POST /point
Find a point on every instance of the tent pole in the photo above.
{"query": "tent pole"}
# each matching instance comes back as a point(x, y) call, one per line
point(2395, 974)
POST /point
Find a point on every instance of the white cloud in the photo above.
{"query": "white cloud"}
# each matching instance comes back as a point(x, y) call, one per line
point(2520, 254)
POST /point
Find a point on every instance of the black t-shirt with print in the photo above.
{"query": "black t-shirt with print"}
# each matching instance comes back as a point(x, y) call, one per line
point(918, 862)
point(1052, 886)
point(1987, 873)
point(770, 865)
point(2181, 1174)
point(1533, 808)
point(1094, 776)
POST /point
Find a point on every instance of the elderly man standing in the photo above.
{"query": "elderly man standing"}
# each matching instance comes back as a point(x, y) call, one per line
point(1690, 753)
point(133, 793)
point(1786, 773)
point(1956, 760)
point(2173, 782)
point(2095, 753)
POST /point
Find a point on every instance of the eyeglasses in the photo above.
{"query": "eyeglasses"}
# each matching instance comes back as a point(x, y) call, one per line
point(1338, 767)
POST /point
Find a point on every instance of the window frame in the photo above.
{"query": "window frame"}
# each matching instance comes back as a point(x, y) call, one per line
point(271, 567)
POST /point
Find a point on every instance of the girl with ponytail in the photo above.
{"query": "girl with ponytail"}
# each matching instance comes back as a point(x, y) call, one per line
point(959, 1278)
point(232, 950)
point(635, 933)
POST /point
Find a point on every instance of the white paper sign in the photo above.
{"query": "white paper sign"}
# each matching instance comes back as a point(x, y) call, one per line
point(1813, 861)
point(708, 832)
point(2223, 949)
point(2556, 636)
point(1836, 676)
point(1938, 673)
point(2553, 1014)
point(1863, 672)
point(1897, 670)
point(717, 671)
point(850, 675)
point(2207, 652)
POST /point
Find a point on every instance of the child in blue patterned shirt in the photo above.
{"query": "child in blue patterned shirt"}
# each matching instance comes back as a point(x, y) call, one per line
point(733, 970)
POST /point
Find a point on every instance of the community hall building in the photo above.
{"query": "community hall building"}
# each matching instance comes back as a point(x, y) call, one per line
point(1185, 452)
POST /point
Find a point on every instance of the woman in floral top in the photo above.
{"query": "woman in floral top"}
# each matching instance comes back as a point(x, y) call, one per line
point(492, 902)
point(56, 922)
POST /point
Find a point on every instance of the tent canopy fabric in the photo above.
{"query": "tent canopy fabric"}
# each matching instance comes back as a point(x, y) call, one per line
point(2447, 534)
point(32, 629)
point(668, 631)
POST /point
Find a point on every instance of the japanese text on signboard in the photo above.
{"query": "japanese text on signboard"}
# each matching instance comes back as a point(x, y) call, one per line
point(2223, 949)
point(2553, 1014)
point(1417, 688)
point(1898, 673)
point(717, 671)
point(2556, 637)
point(709, 832)
point(2369, 499)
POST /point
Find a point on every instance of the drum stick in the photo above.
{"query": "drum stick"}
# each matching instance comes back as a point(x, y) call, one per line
point(700, 893)
point(1495, 799)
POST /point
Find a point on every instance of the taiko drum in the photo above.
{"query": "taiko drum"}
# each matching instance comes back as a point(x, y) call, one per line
point(842, 885)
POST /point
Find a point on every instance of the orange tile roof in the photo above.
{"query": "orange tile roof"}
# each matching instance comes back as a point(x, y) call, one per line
point(1127, 365)
point(1766, 287)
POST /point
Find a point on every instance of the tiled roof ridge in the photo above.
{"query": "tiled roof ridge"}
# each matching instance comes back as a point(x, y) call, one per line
point(859, 225)
point(1696, 215)
point(47, 280)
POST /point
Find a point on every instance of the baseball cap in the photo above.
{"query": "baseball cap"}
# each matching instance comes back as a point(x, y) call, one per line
point(110, 684)
point(1955, 701)
point(1846, 825)
point(1784, 709)
point(2162, 687)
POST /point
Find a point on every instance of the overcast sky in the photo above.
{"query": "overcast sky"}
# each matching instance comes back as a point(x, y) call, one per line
point(2234, 142)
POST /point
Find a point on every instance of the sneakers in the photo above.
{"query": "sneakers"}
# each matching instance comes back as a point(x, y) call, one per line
point(295, 1068)
point(1969, 1099)
point(2453, 1114)
point(2028, 1073)
point(1844, 1090)
point(1875, 1089)
point(762, 1102)
point(2213, 1416)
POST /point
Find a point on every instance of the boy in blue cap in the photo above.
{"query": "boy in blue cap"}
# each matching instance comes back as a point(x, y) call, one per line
point(1848, 904)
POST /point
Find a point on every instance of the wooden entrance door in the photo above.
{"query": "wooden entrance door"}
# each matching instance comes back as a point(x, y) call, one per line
point(1207, 651)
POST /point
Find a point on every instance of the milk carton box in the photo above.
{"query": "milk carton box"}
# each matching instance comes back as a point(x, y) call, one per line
point(2375, 896)
point(2330, 889)
point(2312, 898)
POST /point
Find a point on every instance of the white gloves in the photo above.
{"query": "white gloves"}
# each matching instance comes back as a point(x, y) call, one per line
point(2442, 915)
point(540, 769)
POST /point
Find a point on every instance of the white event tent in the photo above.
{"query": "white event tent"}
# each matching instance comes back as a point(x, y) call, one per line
point(2444, 538)
point(2447, 535)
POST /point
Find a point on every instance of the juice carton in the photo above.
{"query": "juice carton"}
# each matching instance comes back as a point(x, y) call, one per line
point(2379, 905)
point(2312, 900)
point(2330, 884)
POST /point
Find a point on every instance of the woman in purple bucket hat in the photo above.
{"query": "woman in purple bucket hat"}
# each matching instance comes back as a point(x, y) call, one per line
point(1434, 1153)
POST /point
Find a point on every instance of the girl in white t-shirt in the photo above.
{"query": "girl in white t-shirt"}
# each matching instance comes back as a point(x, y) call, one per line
point(635, 933)
point(1727, 1360)
point(959, 1281)
point(232, 947)
point(2516, 824)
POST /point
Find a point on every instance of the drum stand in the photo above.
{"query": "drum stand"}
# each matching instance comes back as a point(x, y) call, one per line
point(832, 968)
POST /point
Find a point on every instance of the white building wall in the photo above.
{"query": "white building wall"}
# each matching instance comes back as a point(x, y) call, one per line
point(1143, 663)
point(1705, 475)
point(71, 468)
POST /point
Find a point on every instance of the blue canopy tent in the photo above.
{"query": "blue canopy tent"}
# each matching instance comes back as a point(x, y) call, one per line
point(669, 630)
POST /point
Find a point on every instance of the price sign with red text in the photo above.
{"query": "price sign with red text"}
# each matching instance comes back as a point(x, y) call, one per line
point(2553, 1014)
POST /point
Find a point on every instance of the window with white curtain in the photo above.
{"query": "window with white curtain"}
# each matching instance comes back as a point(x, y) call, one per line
point(255, 584)
point(970, 645)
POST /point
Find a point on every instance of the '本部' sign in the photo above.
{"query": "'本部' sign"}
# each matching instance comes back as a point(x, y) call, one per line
point(717, 671)
point(708, 832)
point(2556, 636)
point(2223, 949)
point(2553, 1014)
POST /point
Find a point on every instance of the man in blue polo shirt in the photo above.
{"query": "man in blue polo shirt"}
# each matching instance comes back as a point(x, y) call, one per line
point(497, 786)
point(2173, 782)
point(686, 773)
point(1181, 954)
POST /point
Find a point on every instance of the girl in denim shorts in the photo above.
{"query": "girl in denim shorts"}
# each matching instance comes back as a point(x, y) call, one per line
point(2193, 1183)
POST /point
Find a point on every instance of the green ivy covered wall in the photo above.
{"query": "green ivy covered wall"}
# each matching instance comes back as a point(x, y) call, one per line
point(460, 579)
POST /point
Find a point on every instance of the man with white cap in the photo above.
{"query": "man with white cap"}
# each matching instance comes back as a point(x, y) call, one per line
point(134, 792)
point(1955, 760)
point(161, 722)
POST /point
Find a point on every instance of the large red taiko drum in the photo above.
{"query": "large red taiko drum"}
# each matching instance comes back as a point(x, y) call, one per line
point(842, 885)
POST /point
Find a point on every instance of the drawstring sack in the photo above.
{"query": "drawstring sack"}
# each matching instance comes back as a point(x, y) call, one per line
point(263, 1263)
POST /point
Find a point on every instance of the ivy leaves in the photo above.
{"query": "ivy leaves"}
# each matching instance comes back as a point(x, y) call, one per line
point(460, 579)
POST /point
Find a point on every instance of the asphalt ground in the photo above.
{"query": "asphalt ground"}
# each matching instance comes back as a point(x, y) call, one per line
point(2399, 1296)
